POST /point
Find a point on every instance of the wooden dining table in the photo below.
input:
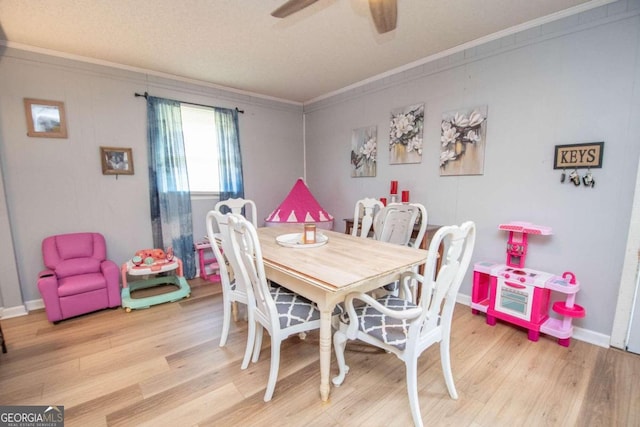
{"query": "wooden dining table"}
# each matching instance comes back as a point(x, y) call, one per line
point(326, 274)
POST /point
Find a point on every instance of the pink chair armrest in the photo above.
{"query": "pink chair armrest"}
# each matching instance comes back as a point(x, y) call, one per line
point(111, 273)
point(46, 273)
point(48, 286)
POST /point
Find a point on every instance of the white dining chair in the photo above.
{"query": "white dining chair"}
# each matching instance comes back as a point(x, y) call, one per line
point(234, 289)
point(406, 329)
point(240, 206)
point(394, 223)
point(278, 310)
point(363, 215)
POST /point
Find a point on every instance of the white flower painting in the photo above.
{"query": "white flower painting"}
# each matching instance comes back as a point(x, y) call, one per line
point(462, 141)
point(405, 135)
point(364, 151)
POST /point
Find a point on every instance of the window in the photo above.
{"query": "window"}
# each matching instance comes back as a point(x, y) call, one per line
point(201, 149)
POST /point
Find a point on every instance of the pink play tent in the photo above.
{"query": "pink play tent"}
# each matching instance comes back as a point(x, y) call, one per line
point(300, 207)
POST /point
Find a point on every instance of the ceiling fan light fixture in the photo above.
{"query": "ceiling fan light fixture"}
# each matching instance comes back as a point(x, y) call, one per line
point(384, 14)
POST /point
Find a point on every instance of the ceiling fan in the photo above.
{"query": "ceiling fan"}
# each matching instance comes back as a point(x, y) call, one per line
point(383, 12)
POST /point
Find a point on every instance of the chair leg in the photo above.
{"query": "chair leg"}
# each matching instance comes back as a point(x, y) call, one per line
point(226, 320)
point(257, 345)
point(339, 344)
point(445, 360)
point(273, 369)
point(412, 390)
point(251, 338)
point(234, 310)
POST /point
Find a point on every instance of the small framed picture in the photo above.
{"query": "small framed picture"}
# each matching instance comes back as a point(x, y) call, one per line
point(45, 119)
point(116, 161)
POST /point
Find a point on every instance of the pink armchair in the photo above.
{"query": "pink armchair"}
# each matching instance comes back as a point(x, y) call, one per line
point(78, 279)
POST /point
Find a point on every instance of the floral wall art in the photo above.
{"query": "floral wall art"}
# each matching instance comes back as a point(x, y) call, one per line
point(405, 136)
point(364, 150)
point(462, 141)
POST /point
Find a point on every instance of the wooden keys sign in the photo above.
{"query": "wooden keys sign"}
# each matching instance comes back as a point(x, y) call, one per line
point(575, 156)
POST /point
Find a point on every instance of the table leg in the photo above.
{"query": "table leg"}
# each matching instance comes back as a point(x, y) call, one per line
point(325, 352)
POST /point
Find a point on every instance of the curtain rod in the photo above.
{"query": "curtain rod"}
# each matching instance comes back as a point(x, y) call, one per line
point(146, 95)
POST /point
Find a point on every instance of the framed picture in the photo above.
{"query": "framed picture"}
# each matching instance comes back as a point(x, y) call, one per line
point(364, 149)
point(45, 119)
point(405, 134)
point(463, 135)
point(116, 161)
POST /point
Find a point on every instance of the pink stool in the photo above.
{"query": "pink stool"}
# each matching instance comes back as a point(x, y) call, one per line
point(202, 247)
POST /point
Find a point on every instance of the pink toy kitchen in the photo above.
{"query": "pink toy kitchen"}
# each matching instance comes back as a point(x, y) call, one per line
point(522, 296)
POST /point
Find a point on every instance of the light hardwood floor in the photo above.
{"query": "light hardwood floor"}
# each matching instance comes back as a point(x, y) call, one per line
point(162, 367)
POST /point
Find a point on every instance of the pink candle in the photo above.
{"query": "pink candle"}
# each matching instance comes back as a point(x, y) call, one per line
point(394, 187)
point(405, 196)
point(384, 201)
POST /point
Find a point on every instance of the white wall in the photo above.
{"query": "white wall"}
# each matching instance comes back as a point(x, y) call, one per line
point(56, 186)
point(10, 293)
point(570, 81)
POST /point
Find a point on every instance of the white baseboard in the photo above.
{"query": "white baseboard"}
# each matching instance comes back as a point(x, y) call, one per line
point(35, 304)
point(9, 312)
point(464, 299)
point(586, 335)
point(595, 338)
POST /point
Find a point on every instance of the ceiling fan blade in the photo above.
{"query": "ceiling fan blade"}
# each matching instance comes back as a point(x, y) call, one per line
point(292, 6)
point(384, 14)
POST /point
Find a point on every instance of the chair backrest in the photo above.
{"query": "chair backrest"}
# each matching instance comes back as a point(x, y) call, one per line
point(75, 253)
point(394, 223)
point(440, 288)
point(215, 236)
point(239, 206)
point(246, 248)
point(365, 211)
point(423, 220)
point(218, 234)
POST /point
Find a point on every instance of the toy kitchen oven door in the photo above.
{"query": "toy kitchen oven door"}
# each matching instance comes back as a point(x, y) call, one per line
point(520, 298)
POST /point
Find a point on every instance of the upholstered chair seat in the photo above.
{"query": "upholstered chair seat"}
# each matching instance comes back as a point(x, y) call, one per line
point(387, 329)
point(294, 309)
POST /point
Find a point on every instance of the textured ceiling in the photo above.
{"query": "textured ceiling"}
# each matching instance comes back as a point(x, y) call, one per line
point(237, 44)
